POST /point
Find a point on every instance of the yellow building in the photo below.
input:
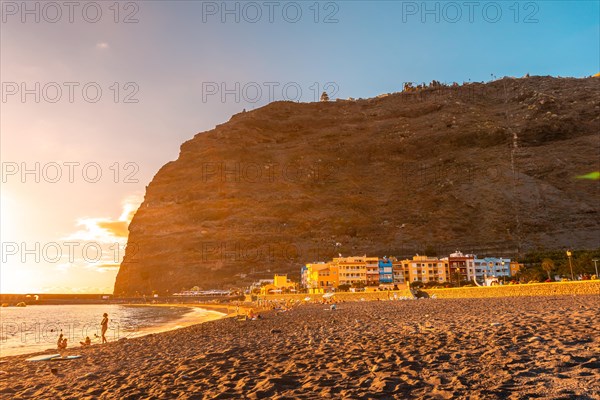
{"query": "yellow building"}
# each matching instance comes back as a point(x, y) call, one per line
point(425, 269)
point(280, 283)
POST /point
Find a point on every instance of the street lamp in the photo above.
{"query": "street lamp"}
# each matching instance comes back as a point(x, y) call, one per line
point(569, 254)
point(595, 260)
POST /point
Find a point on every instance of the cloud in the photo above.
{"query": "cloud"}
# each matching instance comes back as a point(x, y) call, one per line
point(100, 243)
point(108, 230)
point(64, 267)
point(116, 228)
point(130, 205)
point(106, 267)
point(102, 45)
point(92, 231)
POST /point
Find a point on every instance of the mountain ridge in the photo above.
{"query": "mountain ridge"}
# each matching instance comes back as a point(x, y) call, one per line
point(487, 168)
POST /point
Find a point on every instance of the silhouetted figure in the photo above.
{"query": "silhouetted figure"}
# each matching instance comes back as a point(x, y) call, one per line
point(104, 325)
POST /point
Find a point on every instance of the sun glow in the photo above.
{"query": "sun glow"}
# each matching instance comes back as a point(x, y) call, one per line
point(16, 280)
point(66, 275)
point(8, 212)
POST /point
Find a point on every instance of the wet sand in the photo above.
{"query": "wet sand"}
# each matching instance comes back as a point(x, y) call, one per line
point(500, 348)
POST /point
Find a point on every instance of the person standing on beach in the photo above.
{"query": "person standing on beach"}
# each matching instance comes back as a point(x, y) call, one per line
point(104, 324)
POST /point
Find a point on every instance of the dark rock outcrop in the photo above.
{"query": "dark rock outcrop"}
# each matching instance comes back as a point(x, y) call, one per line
point(293, 183)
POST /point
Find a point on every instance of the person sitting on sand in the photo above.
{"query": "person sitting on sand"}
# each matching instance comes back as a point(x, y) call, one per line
point(104, 324)
point(63, 344)
point(252, 316)
point(86, 342)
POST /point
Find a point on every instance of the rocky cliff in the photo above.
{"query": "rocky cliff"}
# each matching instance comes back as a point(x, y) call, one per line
point(485, 168)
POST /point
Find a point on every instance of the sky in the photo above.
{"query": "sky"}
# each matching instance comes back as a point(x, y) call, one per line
point(97, 96)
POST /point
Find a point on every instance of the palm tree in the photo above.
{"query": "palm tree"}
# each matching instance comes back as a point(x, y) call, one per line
point(548, 266)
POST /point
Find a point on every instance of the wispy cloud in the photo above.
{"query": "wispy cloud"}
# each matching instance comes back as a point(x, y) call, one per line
point(102, 45)
point(100, 243)
point(106, 267)
point(117, 229)
point(108, 230)
point(64, 267)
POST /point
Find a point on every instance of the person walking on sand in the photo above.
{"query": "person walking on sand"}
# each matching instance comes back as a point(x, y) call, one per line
point(104, 324)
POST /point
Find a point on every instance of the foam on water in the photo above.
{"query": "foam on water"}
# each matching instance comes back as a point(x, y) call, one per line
point(36, 328)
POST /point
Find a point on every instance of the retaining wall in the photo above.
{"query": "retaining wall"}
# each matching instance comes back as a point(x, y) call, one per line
point(531, 289)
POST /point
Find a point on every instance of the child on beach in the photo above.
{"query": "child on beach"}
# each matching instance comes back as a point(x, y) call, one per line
point(104, 324)
point(59, 342)
point(86, 342)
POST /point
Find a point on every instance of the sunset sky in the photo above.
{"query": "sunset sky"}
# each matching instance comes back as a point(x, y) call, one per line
point(99, 104)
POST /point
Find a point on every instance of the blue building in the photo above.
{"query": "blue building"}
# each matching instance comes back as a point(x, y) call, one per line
point(386, 272)
point(491, 267)
point(304, 276)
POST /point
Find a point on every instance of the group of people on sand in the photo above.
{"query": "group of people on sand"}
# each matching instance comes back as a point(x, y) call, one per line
point(62, 341)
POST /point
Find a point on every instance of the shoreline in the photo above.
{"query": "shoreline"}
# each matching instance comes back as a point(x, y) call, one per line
point(189, 319)
point(226, 309)
point(435, 348)
point(184, 321)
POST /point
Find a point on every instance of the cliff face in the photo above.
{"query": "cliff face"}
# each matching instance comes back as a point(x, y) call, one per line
point(485, 168)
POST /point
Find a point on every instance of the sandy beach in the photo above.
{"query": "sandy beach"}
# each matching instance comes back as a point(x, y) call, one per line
point(500, 348)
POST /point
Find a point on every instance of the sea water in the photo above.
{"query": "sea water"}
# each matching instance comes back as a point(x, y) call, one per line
point(36, 328)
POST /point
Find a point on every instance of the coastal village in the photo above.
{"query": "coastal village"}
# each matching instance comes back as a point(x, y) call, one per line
point(368, 273)
point(389, 273)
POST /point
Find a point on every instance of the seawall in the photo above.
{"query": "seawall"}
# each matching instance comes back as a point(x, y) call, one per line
point(531, 289)
point(522, 290)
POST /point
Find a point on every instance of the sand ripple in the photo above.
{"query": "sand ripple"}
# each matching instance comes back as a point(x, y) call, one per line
point(510, 348)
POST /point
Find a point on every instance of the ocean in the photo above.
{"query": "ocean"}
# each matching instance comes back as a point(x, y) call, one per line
point(36, 328)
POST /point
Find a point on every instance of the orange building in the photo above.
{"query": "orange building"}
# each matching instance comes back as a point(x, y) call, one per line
point(351, 270)
point(425, 269)
point(515, 267)
point(320, 277)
